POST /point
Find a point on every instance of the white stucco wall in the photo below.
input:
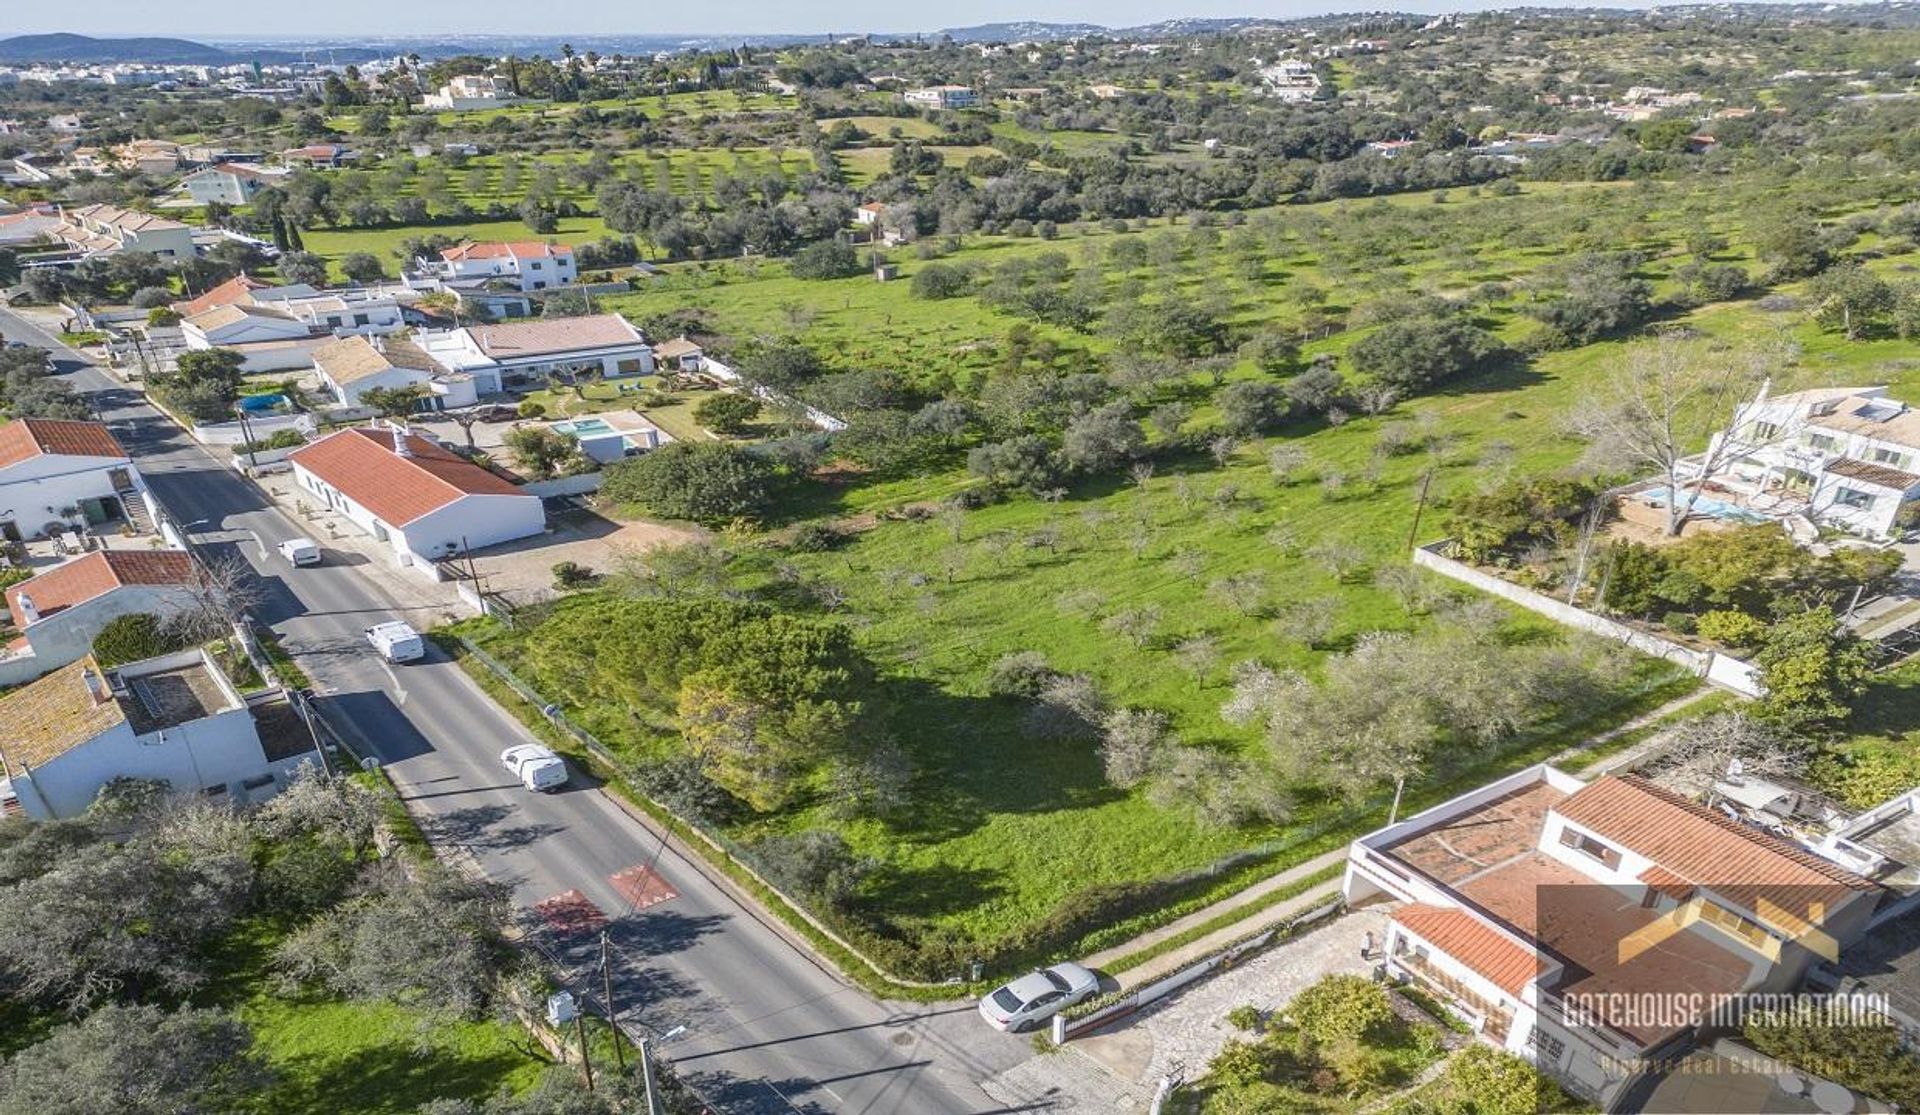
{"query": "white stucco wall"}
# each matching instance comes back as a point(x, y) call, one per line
point(35, 491)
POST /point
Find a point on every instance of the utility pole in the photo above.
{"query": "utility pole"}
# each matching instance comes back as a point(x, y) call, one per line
point(586, 1060)
point(606, 986)
point(1413, 534)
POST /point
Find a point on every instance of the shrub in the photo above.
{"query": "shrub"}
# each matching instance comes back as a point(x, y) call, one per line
point(161, 316)
point(940, 281)
point(1245, 1017)
point(530, 408)
point(1239, 1064)
point(1341, 1008)
point(132, 637)
point(815, 538)
point(1732, 629)
point(568, 575)
point(1416, 353)
point(1681, 623)
point(1020, 674)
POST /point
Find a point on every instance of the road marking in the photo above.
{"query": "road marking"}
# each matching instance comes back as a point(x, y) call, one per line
point(642, 887)
point(571, 912)
point(400, 691)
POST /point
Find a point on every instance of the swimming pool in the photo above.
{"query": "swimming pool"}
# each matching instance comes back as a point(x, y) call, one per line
point(583, 426)
point(1708, 506)
point(254, 404)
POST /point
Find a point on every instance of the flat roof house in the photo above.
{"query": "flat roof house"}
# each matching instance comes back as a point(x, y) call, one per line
point(175, 719)
point(407, 491)
point(268, 339)
point(55, 474)
point(1585, 926)
point(529, 264)
point(60, 611)
point(942, 96)
point(519, 355)
point(1847, 457)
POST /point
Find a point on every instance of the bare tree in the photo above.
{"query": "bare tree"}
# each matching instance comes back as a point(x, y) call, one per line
point(223, 591)
point(1697, 752)
point(1665, 394)
point(1133, 742)
point(1136, 625)
point(1245, 593)
point(1198, 655)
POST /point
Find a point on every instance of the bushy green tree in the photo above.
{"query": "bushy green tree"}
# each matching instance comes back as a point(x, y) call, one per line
point(727, 413)
point(1812, 667)
point(709, 482)
point(137, 1060)
point(1413, 354)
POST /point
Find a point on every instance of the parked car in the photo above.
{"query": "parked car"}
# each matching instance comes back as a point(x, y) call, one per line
point(1025, 1003)
point(537, 767)
point(300, 551)
point(397, 641)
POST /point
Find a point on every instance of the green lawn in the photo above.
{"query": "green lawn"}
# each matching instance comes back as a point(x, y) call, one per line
point(383, 242)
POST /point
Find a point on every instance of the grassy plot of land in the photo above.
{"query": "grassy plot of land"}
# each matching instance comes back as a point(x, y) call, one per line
point(383, 242)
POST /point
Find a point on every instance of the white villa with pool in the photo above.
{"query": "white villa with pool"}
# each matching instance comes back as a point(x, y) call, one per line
point(1846, 457)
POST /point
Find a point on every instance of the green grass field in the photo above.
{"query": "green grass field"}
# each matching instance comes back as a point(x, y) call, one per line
point(383, 242)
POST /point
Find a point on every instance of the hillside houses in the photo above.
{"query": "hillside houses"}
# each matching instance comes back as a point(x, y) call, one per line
point(528, 265)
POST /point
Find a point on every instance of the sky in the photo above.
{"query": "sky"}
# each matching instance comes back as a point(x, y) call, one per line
point(225, 20)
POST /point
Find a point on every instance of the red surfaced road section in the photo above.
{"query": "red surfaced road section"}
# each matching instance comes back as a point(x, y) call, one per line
point(571, 912)
point(643, 887)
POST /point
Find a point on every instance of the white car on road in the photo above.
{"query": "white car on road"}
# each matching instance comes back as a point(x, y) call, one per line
point(1037, 996)
point(537, 767)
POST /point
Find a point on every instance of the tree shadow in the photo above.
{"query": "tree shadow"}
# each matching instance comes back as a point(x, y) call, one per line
point(390, 1077)
point(935, 890)
point(479, 828)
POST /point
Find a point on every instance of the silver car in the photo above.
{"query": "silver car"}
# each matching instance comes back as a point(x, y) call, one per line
point(1025, 1003)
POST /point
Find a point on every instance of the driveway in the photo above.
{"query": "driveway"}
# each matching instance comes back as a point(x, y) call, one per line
point(522, 571)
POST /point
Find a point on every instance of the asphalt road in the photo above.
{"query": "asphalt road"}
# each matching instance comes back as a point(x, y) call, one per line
point(767, 1027)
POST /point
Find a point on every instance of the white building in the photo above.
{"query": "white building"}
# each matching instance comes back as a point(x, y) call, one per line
point(175, 719)
point(531, 264)
point(1552, 914)
point(522, 354)
point(1290, 81)
point(409, 492)
point(267, 339)
point(942, 96)
point(59, 612)
point(352, 366)
point(92, 230)
point(1847, 457)
point(56, 474)
point(468, 93)
point(230, 183)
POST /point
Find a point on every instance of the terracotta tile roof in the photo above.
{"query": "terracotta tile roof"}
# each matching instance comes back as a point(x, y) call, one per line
point(1700, 846)
point(361, 464)
point(1667, 883)
point(517, 249)
point(1882, 475)
point(554, 335)
point(49, 717)
point(97, 574)
point(233, 290)
point(351, 359)
point(26, 438)
point(1508, 964)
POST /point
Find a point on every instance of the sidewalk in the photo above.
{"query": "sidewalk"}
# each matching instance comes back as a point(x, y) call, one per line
point(1178, 958)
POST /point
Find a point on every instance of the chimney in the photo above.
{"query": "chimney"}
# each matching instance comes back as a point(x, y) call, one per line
point(27, 611)
point(400, 446)
point(96, 686)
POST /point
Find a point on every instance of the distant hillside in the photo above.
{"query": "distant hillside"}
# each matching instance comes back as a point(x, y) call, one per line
point(89, 50)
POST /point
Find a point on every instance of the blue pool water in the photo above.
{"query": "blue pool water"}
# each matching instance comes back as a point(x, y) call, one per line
point(254, 404)
point(583, 426)
point(1708, 506)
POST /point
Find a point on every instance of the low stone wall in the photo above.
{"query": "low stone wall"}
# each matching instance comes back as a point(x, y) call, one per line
point(1723, 670)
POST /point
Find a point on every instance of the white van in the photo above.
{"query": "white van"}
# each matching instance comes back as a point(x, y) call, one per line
point(300, 551)
point(537, 767)
point(397, 641)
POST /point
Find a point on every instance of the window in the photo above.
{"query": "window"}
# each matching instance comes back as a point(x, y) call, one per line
point(1822, 442)
point(1853, 497)
point(1734, 925)
point(535, 265)
point(1550, 1048)
point(1763, 431)
point(1889, 457)
point(1587, 845)
point(360, 319)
